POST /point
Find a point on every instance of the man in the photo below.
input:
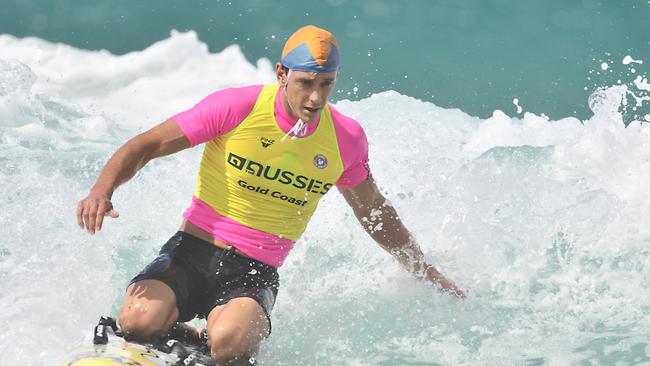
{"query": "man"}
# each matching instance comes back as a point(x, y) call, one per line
point(271, 153)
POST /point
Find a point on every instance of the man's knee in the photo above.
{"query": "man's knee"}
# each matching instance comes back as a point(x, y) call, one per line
point(144, 318)
point(140, 326)
point(231, 348)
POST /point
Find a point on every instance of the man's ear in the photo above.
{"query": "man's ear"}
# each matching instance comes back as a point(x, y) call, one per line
point(280, 74)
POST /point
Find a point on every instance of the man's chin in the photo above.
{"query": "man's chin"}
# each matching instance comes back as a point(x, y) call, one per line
point(308, 118)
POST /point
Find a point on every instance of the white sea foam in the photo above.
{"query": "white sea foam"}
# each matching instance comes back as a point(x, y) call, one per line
point(542, 221)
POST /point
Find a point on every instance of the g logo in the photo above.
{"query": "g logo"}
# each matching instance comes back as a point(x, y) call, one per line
point(236, 161)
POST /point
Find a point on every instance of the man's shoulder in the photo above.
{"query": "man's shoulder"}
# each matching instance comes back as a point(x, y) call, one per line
point(247, 91)
point(237, 99)
point(346, 125)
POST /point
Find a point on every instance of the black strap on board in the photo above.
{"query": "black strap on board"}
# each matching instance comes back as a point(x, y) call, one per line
point(178, 341)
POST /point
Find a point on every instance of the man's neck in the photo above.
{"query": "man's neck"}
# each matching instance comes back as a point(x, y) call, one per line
point(285, 104)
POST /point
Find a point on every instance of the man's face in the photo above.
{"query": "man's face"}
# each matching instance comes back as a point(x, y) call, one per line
point(307, 93)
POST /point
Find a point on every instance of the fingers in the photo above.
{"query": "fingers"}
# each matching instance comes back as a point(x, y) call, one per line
point(92, 216)
point(99, 215)
point(85, 210)
point(459, 293)
point(456, 291)
point(80, 210)
point(446, 285)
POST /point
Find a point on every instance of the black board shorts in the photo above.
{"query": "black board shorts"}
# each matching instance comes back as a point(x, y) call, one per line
point(204, 276)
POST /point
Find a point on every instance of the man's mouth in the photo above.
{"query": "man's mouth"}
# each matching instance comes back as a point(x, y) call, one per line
point(312, 110)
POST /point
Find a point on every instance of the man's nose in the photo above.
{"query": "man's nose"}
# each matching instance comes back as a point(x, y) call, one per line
point(316, 96)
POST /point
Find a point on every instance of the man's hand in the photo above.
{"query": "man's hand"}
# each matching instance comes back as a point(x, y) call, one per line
point(164, 139)
point(380, 220)
point(432, 274)
point(91, 211)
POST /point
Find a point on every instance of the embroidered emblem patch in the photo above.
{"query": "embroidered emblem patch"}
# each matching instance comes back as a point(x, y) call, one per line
point(320, 161)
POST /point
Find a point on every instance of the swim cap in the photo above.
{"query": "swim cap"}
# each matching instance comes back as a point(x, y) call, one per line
point(311, 49)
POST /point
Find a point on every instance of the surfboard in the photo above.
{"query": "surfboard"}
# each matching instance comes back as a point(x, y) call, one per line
point(109, 348)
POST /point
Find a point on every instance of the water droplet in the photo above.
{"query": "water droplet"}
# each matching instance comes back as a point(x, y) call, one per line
point(628, 60)
point(516, 103)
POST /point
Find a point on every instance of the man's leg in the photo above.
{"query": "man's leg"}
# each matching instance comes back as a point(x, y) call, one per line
point(235, 331)
point(148, 311)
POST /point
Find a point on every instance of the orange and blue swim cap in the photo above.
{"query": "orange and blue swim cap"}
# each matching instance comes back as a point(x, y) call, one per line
point(311, 49)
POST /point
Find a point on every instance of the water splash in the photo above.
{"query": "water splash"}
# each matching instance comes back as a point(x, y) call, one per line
point(541, 220)
point(633, 103)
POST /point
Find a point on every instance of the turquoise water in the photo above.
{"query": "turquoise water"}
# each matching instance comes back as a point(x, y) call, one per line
point(540, 216)
point(473, 55)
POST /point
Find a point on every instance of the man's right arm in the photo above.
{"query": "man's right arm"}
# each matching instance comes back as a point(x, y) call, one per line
point(164, 139)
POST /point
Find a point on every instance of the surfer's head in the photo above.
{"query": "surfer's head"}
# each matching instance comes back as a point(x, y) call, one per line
point(311, 49)
point(310, 59)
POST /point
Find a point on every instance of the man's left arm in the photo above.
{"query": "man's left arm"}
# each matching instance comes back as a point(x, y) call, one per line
point(379, 218)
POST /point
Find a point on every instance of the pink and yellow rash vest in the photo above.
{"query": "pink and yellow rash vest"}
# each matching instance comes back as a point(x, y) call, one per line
point(254, 191)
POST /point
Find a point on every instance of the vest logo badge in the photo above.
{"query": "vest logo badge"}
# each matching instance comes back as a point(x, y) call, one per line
point(266, 142)
point(320, 161)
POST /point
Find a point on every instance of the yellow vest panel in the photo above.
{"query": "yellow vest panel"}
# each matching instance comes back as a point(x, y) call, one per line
point(252, 177)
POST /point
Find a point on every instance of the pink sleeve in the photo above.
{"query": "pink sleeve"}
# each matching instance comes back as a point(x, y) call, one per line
point(217, 114)
point(353, 145)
